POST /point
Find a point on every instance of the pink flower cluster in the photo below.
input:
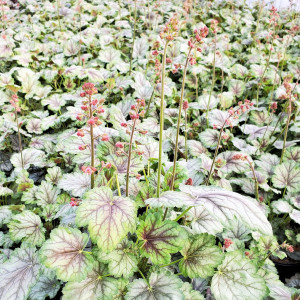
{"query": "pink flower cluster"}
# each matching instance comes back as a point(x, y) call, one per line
point(137, 110)
point(214, 26)
point(274, 16)
point(170, 30)
point(227, 243)
point(91, 108)
point(88, 169)
point(287, 247)
point(196, 41)
point(235, 113)
point(74, 202)
point(14, 101)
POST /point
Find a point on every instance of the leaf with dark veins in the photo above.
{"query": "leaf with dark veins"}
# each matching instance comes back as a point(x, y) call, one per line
point(19, 274)
point(233, 165)
point(64, 252)
point(93, 287)
point(160, 238)
point(224, 205)
point(237, 279)
point(163, 286)
point(109, 218)
point(200, 256)
point(203, 221)
point(27, 226)
point(287, 175)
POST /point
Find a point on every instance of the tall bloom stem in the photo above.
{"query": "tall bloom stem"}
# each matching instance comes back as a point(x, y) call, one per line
point(213, 81)
point(286, 128)
point(161, 125)
point(179, 118)
point(92, 143)
point(133, 38)
point(254, 177)
point(57, 9)
point(15, 104)
point(232, 114)
point(129, 158)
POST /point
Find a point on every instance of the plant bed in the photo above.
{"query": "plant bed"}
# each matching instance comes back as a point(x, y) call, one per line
point(148, 150)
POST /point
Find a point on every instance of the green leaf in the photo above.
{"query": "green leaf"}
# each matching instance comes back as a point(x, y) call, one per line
point(237, 279)
point(160, 238)
point(64, 252)
point(287, 175)
point(5, 215)
point(189, 293)
point(122, 261)
point(237, 87)
point(47, 286)
point(162, 286)
point(109, 218)
point(54, 174)
point(76, 183)
point(27, 227)
point(203, 221)
point(200, 256)
point(209, 138)
point(30, 157)
point(46, 194)
point(19, 274)
point(93, 287)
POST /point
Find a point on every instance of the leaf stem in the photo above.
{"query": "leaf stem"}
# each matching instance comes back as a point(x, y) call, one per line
point(171, 263)
point(146, 177)
point(183, 213)
point(286, 128)
point(118, 184)
point(144, 278)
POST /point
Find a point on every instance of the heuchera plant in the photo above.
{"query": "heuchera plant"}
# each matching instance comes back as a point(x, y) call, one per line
point(148, 150)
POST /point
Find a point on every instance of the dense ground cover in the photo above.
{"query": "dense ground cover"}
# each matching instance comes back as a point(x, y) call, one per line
point(148, 150)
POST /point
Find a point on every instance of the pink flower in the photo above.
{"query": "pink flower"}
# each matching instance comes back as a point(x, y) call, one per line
point(104, 137)
point(94, 102)
point(124, 124)
point(91, 121)
point(185, 105)
point(74, 202)
point(192, 60)
point(82, 94)
point(88, 169)
point(79, 117)
point(119, 145)
point(155, 53)
point(227, 243)
point(82, 147)
point(80, 133)
point(168, 60)
point(143, 103)
point(189, 182)
point(84, 108)
point(100, 110)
